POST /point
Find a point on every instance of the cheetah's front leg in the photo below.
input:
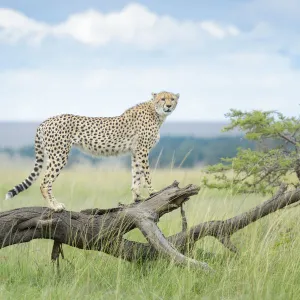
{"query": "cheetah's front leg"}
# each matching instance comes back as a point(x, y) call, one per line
point(140, 170)
point(146, 172)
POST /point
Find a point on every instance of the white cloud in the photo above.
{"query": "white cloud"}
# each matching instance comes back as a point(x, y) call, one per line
point(233, 70)
point(208, 88)
point(217, 31)
point(135, 24)
point(15, 26)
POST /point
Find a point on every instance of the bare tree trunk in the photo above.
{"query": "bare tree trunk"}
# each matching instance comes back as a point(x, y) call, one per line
point(103, 229)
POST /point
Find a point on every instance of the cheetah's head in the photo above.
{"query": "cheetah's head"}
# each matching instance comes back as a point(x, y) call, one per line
point(165, 102)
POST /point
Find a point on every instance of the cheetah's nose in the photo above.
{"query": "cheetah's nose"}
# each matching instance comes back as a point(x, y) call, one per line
point(169, 105)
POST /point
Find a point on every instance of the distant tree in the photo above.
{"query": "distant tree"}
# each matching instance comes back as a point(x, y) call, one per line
point(187, 152)
point(274, 162)
point(27, 151)
point(7, 151)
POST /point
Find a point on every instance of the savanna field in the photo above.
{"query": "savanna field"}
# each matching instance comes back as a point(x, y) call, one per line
point(267, 266)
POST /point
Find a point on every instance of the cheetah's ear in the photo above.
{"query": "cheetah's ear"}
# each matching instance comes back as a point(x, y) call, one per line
point(177, 95)
point(153, 95)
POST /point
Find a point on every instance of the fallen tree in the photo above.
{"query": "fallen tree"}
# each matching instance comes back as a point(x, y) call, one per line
point(103, 229)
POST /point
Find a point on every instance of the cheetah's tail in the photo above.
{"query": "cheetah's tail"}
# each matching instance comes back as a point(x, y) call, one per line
point(39, 159)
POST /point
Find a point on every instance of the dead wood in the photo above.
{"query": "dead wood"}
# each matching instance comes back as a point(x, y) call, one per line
point(104, 229)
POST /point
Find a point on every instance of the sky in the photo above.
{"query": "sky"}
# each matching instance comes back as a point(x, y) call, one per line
point(98, 58)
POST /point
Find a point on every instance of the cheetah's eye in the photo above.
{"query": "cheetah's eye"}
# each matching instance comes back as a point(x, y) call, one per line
point(172, 99)
point(163, 99)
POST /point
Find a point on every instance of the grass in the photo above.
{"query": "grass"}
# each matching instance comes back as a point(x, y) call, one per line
point(267, 267)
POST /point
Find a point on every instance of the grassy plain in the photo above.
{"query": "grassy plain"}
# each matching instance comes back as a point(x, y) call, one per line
point(268, 266)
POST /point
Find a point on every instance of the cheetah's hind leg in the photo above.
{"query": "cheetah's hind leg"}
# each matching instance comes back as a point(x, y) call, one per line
point(52, 202)
point(56, 162)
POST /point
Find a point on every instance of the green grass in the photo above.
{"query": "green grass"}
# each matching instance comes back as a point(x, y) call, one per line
point(266, 268)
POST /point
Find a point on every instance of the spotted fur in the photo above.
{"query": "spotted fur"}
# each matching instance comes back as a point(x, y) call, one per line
point(136, 131)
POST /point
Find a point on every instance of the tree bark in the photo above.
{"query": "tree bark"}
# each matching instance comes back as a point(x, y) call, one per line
point(103, 229)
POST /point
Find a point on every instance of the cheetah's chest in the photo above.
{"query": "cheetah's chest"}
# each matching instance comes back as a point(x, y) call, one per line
point(156, 140)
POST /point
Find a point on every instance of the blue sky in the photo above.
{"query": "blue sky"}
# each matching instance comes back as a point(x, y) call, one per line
point(97, 58)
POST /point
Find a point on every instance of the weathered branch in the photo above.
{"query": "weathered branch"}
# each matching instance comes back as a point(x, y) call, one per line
point(103, 229)
point(157, 240)
point(99, 229)
point(223, 229)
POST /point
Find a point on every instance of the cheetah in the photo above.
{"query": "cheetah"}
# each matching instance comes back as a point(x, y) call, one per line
point(136, 131)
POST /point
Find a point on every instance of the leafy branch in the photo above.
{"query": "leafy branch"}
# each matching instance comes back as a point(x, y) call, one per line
point(274, 161)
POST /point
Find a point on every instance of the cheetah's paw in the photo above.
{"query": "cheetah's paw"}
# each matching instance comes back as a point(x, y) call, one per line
point(57, 206)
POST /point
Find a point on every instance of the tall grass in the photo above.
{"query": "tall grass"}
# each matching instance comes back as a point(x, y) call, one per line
point(267, 266)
